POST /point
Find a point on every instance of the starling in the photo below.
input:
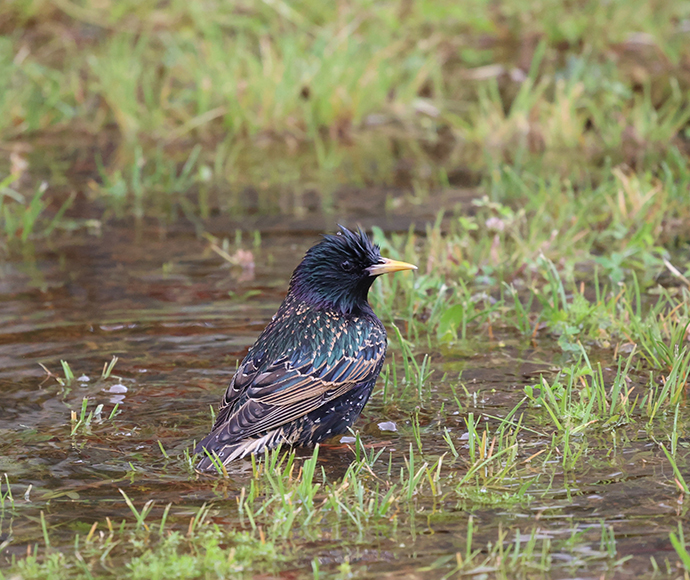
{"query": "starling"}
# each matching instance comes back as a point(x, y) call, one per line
point(312, 369)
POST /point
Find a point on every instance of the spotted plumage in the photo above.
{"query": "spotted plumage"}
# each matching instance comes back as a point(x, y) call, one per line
point(312, 369)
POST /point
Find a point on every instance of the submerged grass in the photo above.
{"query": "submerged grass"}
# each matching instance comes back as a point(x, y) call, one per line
point(451, 460)
point(289, 499)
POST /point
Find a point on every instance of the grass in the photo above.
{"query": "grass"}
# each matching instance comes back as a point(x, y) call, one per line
point(288, 500)
point(192, 103)
point(284, 501)
point(201, 552)
point(82, 420)
point(454, 295)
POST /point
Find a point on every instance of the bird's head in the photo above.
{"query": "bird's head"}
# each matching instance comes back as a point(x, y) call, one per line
point(339, 270)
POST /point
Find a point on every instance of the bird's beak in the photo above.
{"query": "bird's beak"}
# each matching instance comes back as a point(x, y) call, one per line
point(386, 265)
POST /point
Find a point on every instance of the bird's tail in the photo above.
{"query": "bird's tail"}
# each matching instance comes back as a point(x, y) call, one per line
point(214, 459)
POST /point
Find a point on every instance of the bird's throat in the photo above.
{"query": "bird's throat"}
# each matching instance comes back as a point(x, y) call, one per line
point(344, 301)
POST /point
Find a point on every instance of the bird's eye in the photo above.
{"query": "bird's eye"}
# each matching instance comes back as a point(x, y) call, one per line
point(346, 265)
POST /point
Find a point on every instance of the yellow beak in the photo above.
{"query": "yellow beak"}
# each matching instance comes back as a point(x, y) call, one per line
point(386, 266)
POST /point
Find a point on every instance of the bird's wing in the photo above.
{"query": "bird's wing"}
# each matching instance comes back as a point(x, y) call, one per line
point(263, 396)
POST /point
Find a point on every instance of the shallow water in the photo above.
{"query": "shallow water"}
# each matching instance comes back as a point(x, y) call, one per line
point(179, 319)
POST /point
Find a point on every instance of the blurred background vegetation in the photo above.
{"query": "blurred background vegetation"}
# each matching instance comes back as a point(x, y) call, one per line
point(144, 108)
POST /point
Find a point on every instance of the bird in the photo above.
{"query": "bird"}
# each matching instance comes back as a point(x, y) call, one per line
point(311, 371)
